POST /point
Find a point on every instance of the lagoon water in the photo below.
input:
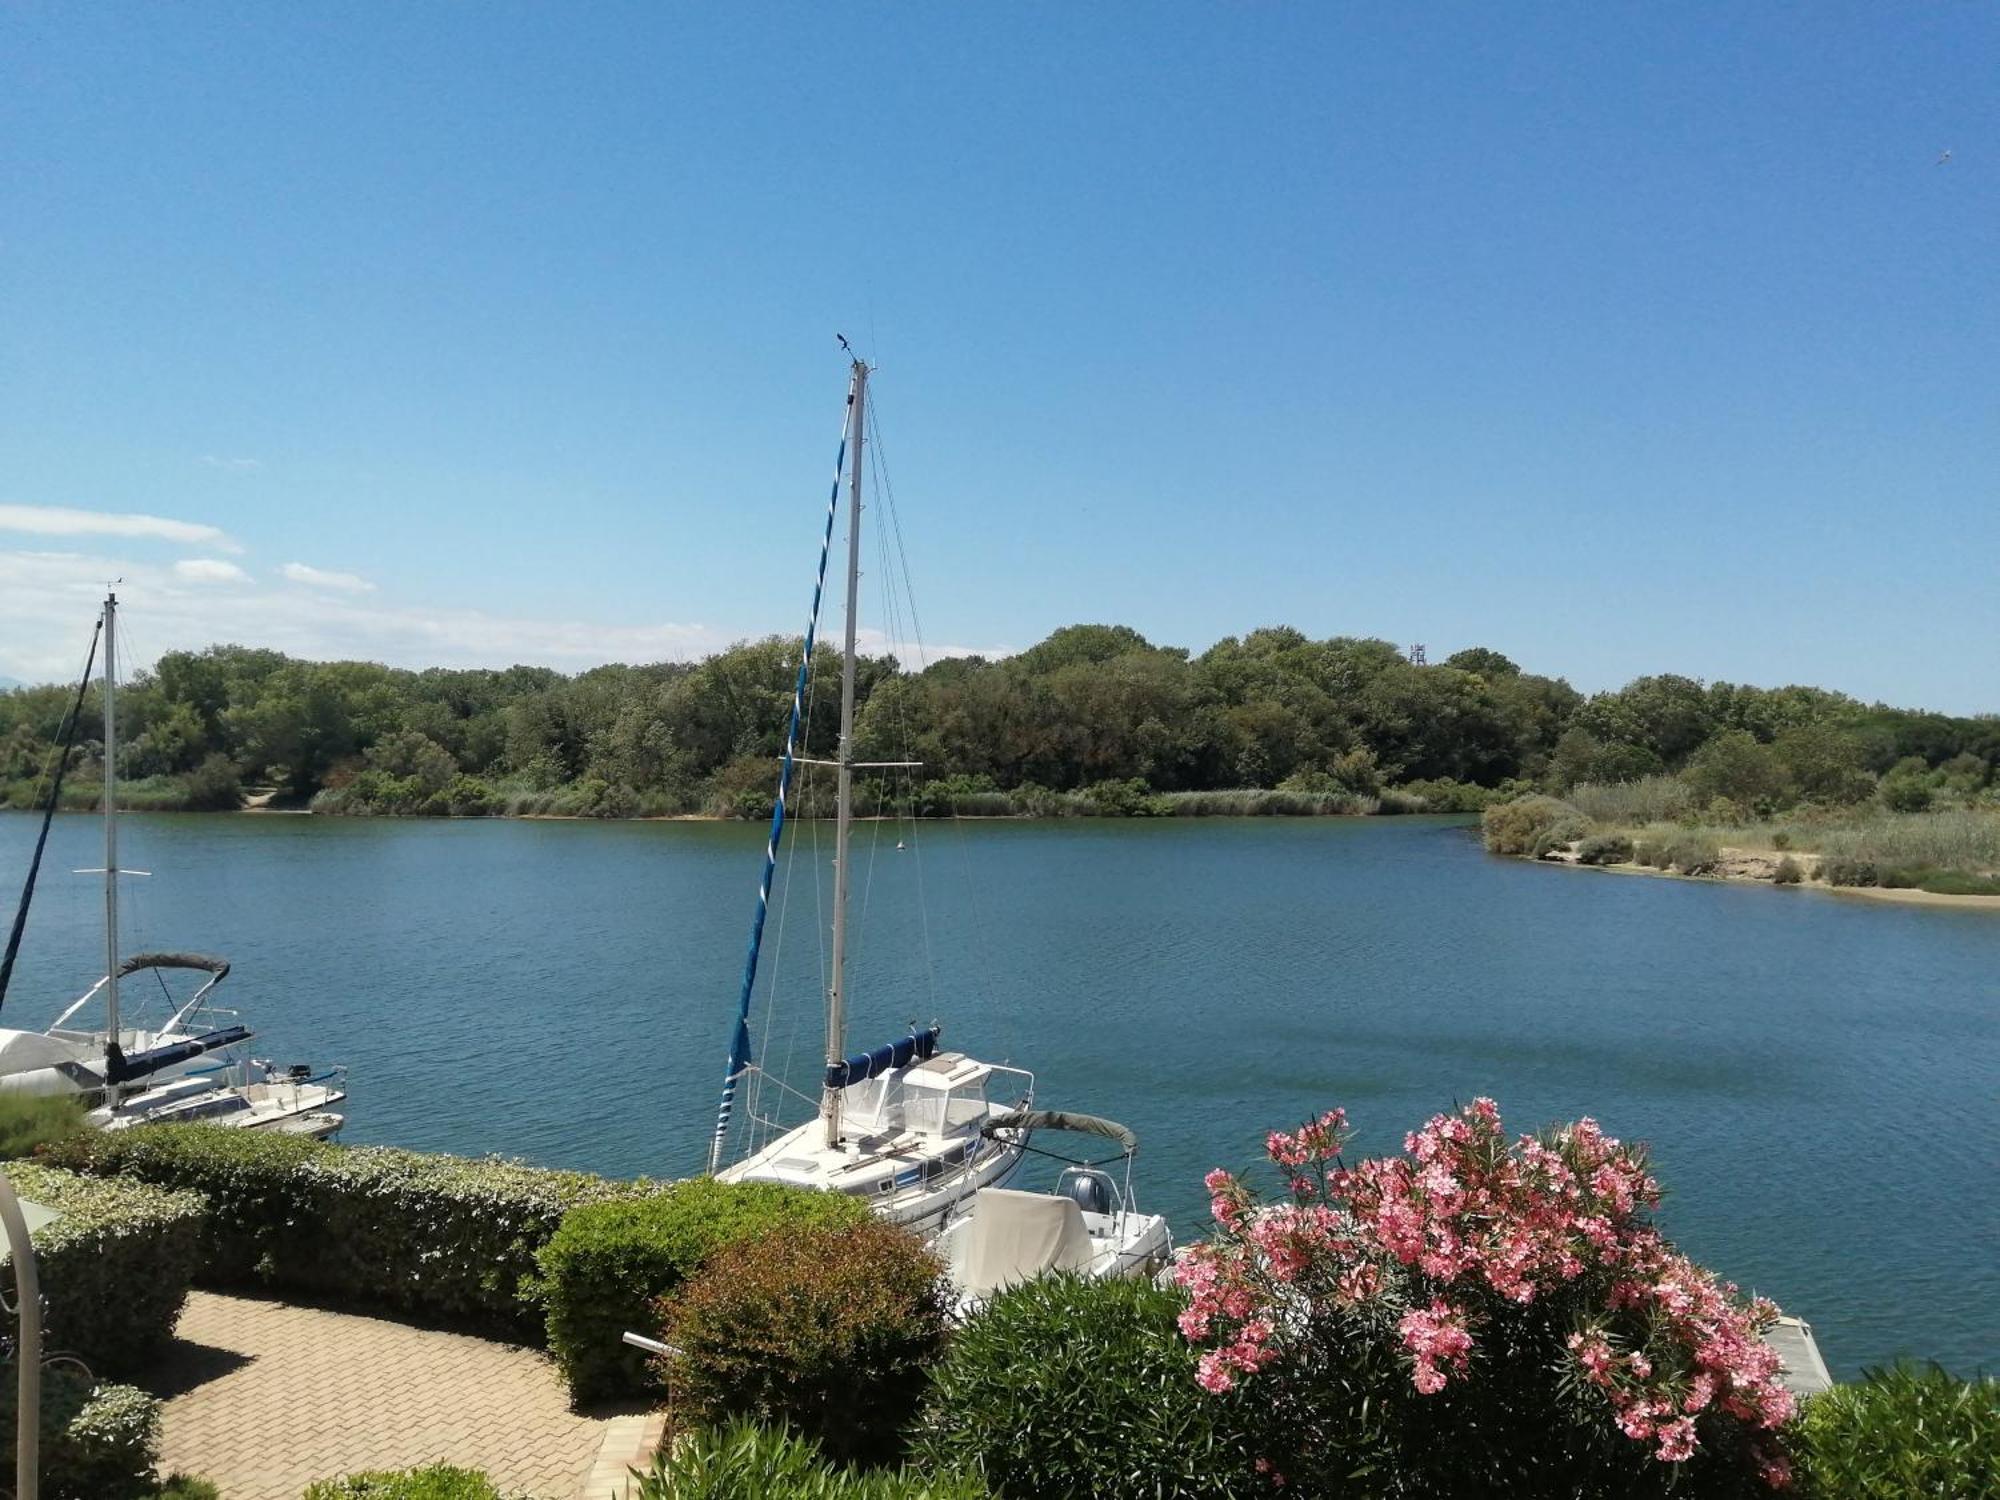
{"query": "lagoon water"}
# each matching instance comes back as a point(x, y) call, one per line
point(1819, 1078)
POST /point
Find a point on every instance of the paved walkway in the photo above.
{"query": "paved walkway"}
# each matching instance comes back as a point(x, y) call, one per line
point(263, 1397)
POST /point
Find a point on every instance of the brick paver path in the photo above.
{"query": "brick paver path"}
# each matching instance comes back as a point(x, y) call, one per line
point(263, 1397)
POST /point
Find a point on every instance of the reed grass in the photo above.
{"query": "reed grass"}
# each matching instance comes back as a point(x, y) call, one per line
point(1650, 799)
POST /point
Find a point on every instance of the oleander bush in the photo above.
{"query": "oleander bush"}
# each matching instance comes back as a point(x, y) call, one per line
point(1518, 827)
point(432, 1482)
point(115, 1267)
point(607, 1266)
point(743, 1461)
point(1479, 1317)
point(1904, 1433)
point(441, 1237)
point(1605, 849)
point(1061, 1386)
point(825, 1330)
point(98, 1442)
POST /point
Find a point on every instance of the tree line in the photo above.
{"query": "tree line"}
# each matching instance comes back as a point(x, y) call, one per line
point(1095, 717)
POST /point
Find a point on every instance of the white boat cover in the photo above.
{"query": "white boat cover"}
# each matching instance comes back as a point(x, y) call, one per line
point(25, 1051)
point(1013, 1236)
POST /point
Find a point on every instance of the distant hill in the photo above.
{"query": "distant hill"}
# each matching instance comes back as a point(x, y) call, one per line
point(10, 682)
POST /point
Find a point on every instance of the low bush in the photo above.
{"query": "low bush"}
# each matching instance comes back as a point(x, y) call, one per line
point(1061, 1386)
point(607, 1267)
point(1695, 855)
point(1130, 798)
point(827, 1330)
point(743, 1461)
point(1605, 849)
point(1849, 872)
point(442, 1237)
point(29, 1122)
point(98, 1442)
point(1518, 827)
point(185, 1487)
point(1901, 1434)
point(1939, 882)
point(115, 1266)
point(432, 1482)
point(1560, 834)
point(1789, 872)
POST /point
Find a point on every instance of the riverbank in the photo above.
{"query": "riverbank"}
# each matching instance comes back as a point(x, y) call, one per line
point(1949, 857)
point(1760, 866)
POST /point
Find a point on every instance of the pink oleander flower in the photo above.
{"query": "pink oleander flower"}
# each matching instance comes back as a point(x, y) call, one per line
point(1454, 1237)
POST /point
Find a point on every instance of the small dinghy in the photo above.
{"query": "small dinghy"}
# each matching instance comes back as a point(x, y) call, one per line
point(1090, 1226)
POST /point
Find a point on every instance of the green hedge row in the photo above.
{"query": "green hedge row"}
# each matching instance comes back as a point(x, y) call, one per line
point(99, 1442)
point(115, 1266)
point(609, 1265)
point(438, 1237)
point(432, 1482)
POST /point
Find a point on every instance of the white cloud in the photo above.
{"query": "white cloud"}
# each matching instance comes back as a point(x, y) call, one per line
point(62, 520)
point(48, 601)
point(209, 570)
point(321, 578)
point(232, 465)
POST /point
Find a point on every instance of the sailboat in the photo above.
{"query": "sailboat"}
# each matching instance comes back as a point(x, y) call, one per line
point(181, 1070)
point(907, 1127)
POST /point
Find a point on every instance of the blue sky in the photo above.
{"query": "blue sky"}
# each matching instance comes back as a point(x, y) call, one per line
point(1620, 338)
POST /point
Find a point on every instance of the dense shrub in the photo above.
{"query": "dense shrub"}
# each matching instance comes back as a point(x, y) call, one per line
point(743, 1461)
point(1539, 1336)
point(1060, 1386)
point(607, 1267)
point(1789, 872)
point(115, 1266)
point(29, 1122)
point(1605, 849)
point(1849, 872)
point(442, 1237)
point(1558, 835)
point(827, 1330)
point(1902, 1434)
point(432, 1482)
point(99, 1442)
point(1688, 852)
point(185, 1487)
point(1518, 827)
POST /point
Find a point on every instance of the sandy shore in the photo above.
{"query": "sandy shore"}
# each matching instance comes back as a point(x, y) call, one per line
point(1759, 866)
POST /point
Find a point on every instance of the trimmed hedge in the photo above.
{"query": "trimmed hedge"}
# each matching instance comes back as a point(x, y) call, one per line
point(440, 1237)
point(432, 1482)
point(1061, 1386)
point(606, 1269)
point(114, 1268)
point(99, 1442)
point(745, 1462)
point(828, 1330)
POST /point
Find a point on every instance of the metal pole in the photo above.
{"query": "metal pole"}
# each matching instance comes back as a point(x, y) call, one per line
point(111, 1020)
point(843, 813)
point(28, 1298)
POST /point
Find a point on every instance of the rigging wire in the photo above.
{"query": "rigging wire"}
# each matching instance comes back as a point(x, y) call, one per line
point(982, 945)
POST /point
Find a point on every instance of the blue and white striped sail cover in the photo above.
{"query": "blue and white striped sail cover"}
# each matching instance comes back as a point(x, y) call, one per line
point(915, 1047)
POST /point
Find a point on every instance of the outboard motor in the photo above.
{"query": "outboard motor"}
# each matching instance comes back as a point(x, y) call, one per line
point(301, 1072)
point(1088, 1188)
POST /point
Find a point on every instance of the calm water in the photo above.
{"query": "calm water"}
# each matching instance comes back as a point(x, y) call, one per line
point(1818, 1078)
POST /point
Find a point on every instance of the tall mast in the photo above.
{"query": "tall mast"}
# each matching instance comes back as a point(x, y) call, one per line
point(111, 820)
point(836, 995)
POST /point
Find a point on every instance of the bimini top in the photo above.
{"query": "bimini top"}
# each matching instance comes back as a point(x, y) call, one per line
point(219, 967)
point(1056, 1119)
